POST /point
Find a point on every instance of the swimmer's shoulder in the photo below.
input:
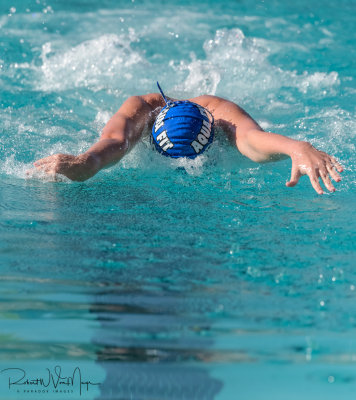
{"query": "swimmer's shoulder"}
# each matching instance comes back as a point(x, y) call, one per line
point(208, 101)
point(153, 99)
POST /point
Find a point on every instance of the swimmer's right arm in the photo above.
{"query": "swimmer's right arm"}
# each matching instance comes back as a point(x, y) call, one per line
point(118, 137)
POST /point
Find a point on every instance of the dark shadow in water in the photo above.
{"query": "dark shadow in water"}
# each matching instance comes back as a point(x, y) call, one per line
point(146, 354)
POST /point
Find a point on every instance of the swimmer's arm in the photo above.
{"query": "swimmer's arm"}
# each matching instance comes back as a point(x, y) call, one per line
point(263, 146)
point(260, 146)
point(118, 137)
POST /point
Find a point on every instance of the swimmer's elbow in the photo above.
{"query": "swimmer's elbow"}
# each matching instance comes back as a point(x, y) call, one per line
point(245, 146)
point(261, 147)
point(253, 155)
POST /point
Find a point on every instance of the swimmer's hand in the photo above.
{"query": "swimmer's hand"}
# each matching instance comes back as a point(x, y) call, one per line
point(76, 168)
point(307, 160)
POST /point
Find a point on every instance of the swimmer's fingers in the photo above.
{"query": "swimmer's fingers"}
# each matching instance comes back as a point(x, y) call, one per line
point(336, 164)
point(47, 160)
point(36, 173)
point(57, 163)
point(49, 169)
point(63, 164)
point(295, 175)
point(328, 169)
point(320, 172)
point(331, 164)
point(323, 173)
point(42, 161)
point(314, 180)
point(317, 164)
point(333, 173)
point(333, 167)
point(46, 166)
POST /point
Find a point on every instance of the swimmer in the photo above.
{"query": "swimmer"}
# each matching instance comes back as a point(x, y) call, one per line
point(185, 129)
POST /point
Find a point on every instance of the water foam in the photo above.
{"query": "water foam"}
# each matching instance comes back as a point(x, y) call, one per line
point(11, 166)
point(95, 63)
point(339, 126)
point(241, 66)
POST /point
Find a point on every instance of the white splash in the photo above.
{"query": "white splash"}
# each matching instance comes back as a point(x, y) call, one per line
point(241, 66)
point(94, 63)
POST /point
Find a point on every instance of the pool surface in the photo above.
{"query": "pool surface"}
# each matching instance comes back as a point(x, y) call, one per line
point(164, 279)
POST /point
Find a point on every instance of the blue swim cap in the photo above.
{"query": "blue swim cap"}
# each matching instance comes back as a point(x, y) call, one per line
point(182, 129)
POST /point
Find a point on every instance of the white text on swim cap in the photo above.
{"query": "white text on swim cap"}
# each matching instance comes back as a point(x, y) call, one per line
point(164, 141)
point(202, 110)
point(160, 118)
point(202, 137)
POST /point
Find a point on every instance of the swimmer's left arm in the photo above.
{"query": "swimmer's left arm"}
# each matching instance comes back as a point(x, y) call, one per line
point(260, 146)
point(306, 159)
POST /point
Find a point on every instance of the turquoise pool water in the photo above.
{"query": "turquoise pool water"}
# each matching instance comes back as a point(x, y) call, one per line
point(176, 280)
